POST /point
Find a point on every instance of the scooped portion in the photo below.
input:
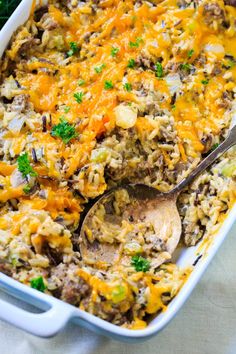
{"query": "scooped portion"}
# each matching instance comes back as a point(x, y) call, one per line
point(121, 227)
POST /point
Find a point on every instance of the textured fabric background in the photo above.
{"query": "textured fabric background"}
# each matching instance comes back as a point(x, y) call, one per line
point(6, 8)
point(205, 325)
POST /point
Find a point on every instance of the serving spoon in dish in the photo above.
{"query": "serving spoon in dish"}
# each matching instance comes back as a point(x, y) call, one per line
point(148, 205)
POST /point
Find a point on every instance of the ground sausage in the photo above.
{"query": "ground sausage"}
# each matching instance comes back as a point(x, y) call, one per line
point(74, 290)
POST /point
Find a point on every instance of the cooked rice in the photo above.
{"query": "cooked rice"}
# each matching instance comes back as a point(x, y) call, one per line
point(155, 85)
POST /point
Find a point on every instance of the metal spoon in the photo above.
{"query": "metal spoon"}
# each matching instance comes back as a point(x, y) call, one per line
point(149, 205)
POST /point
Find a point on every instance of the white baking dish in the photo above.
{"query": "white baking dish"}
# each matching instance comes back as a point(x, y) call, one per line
point(57, 313)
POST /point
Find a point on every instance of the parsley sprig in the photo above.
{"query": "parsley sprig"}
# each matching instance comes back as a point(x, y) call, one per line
point(114, 51)
point(186, 67)
point(214, 147)
point(99, 68)
point(190, 53)
point(27, 189)
point(38, 284)
point(136, 43)
point(24, 166)
point(81, 82)
point(127, 86)
point(73, 49)
point(131, 63)
point(140, 264)
point(64, 130)
point(159, 70)
point(79, 97)
point(108, 85)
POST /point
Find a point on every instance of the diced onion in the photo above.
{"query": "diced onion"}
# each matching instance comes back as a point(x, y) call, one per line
point(126, 116)
point(215, 48)
point(16, 124)
point(174, 83)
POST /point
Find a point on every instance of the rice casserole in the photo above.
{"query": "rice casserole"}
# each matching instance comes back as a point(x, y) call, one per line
point(95, 93)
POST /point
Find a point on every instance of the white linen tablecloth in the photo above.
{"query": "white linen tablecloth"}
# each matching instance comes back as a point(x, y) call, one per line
point(205, 325)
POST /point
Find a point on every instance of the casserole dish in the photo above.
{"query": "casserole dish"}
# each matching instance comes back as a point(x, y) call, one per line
point(56, 313)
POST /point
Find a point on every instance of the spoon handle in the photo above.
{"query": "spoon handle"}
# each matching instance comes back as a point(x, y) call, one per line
point(222, 148)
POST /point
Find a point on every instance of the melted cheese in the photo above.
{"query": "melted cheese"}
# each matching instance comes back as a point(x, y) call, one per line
point(130, 23)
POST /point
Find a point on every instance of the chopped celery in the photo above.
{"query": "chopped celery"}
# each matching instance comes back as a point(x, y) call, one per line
point(99, 155)
point(118, 294)
point(229, 169)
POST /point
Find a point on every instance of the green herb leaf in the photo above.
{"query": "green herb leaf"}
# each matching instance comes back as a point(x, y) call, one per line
point(108, 85)
point(38, 284)
point(214, 147)
point(81, 82)
point(27, 189)
point(114, 51)
point(140, 264)
point(190, 53)
point(131, 63)
point(205, 82)
point(66, 109)
point(185, 67)
point(127, 86)
point(73, 49)
point(24, 166)
point(159, 70)
point(64, 130)
point(136, 43)
point(99, 68)
point(79, 97)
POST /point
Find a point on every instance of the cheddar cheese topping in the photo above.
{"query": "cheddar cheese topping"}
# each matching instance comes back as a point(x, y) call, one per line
point(94, 93)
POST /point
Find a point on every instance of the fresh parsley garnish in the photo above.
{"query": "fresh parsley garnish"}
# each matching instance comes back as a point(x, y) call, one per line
point(190, 53)
point(99, 68)
point(108, 85)
point(159, 70)
point(24, 166)
point(185, 67)
point(73, 49)
point(205, 82)
point(140, 264)
point(127, 86)
point(38, 284)
point(131, 63)
point(27, 189)
point(114, 51)
point(79, 97)
point(81, 82)
point(136, 43)
point(64, 130)
point(66, 109)
point(214, 147)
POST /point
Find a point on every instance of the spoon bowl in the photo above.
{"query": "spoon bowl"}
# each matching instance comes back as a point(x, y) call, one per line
point(146, 205)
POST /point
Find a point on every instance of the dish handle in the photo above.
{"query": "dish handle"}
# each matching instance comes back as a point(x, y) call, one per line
point(46, 324)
